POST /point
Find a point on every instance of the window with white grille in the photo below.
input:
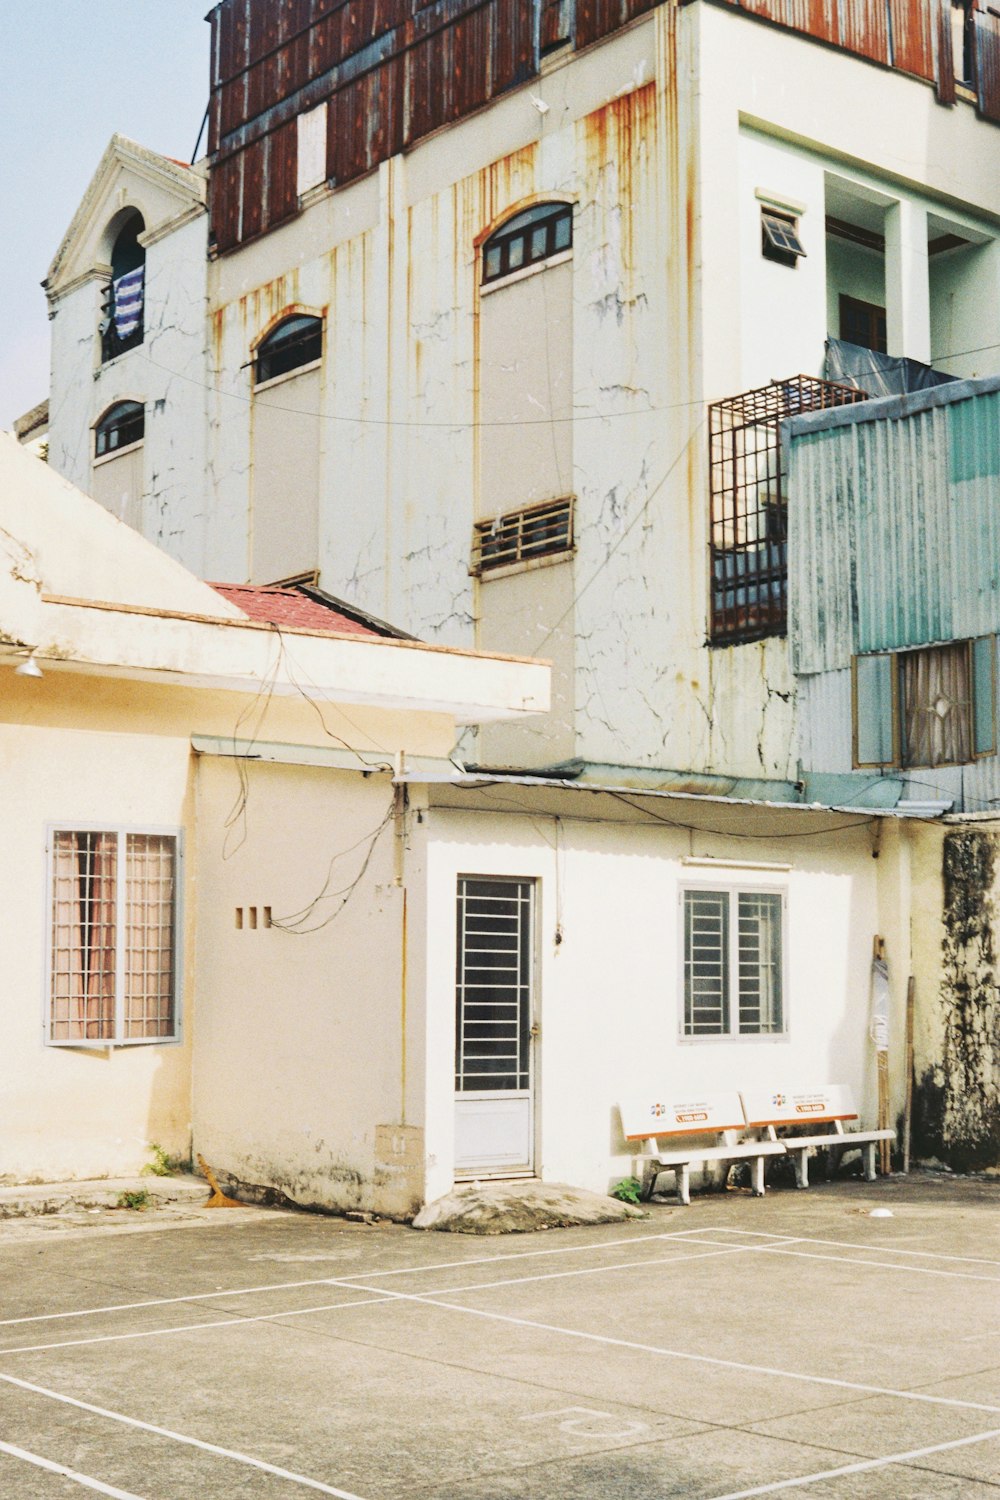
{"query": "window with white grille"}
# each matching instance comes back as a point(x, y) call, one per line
point(113, 937)
point(493, 985)
point(733, 979)
point(521, 535)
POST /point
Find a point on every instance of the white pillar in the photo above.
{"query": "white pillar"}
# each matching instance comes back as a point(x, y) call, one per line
point(907, 288)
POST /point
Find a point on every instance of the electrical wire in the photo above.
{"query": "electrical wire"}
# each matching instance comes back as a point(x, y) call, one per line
point(650, 408)
point(293, 924)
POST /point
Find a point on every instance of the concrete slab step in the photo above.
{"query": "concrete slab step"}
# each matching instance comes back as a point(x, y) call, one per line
point(25, 1200)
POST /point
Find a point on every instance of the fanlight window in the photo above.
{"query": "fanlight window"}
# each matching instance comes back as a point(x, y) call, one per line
point(528, 239)
point(295, 342)
point(122, 424)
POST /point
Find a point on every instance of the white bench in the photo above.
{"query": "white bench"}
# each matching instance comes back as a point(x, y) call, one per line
point(770, 1110)
point(693, 1129)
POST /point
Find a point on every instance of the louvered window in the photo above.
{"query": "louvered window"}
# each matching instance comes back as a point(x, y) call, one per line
point(521, 535)
point(493, 985)
point(733, 962)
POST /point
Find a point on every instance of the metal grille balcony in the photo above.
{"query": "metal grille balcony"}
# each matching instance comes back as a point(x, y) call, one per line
point(749, 506)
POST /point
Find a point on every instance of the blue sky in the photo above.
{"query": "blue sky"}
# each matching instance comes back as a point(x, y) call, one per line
point(73, 73)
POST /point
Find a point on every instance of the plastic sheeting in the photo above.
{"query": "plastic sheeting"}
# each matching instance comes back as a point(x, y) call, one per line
point(879, 374)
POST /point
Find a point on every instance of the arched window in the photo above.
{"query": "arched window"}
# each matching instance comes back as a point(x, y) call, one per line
point(527, 239)
point(124, 298)
point(122, 424)
point(296, 341)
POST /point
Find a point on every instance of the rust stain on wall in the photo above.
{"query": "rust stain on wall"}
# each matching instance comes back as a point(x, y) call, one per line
point(957, 1100)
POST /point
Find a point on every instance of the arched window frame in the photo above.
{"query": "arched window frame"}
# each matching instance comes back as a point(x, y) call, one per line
point(122, 426)
point(529, 238)
point(123, 303)
point(310, 342)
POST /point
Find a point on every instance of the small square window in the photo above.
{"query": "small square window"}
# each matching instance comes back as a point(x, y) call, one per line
point(780, 238)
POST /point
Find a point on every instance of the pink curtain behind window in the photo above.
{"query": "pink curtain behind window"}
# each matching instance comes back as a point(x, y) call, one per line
point(83, 936)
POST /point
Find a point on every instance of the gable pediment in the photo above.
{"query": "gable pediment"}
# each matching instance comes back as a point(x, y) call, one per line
point(166, 193)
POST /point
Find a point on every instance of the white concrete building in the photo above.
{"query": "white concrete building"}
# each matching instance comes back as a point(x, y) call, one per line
point(468, 382)
point(127, 304)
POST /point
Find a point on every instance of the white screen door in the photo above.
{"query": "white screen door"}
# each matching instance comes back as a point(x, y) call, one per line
point(493, 1021)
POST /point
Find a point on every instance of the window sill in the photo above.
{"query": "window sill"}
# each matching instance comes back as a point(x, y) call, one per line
point(78, 1044)
point(106, 458)
point(523, 272)
point(268, 385)
point(740, 1040)
point(523, 565)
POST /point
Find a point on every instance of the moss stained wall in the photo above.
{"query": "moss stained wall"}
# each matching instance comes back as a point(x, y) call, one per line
point(957, 1095)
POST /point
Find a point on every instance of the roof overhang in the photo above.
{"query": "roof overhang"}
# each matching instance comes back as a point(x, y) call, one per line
point(90, 637)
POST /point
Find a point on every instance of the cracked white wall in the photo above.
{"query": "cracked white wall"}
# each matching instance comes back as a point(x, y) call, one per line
point(663, 137)
point(166, 373)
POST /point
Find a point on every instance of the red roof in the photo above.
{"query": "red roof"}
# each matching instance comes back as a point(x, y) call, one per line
point(287, 606)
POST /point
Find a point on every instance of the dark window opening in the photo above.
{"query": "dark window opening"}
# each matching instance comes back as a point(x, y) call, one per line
point(780, 238)
point(749, 506)
point(522, 535)
point(528, 239)
point(296, 342)
point(863, 323)
point(123, 301)
point(122, 424)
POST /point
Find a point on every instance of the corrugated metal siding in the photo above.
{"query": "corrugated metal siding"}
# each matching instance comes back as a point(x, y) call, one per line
point(894, 533)
point(913, 29)
point(901, 32)
point(988, 63)
point(823, 704)
point(395, 70)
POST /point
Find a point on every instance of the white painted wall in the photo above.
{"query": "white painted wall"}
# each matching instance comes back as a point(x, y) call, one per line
point(610, 994)
point(166, 373)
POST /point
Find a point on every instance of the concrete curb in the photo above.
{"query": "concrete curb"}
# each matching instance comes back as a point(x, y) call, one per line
point(24, 1201)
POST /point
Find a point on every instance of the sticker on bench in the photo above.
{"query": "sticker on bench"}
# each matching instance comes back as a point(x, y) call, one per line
point(642, 1118)
point(778, 1107)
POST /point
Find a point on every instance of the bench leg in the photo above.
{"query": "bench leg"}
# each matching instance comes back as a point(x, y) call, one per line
point(684, 1183)
point(758, 1177)
point(802, 1167)
point(647, 1173)
point(868, 1158)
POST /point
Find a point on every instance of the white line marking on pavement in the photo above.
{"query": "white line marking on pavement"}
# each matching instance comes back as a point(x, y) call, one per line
point(860, 1468)
point(53, 1468)
point(885, 1265)
point(236, 1321)
point(429, 1299)
point(804, 1239)
point(88, 1312)
point(284, 1286)
point(179, 1437)
point(622, 1265)
point(239, 1320)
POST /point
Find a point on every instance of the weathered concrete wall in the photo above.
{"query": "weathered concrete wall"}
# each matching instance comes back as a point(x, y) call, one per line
point(166, 373)
point(300, 1068)
point(957, 1059)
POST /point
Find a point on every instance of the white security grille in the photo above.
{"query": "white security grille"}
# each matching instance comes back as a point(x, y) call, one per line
point(493, 990)
point(732, 962)
point(112, 957)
